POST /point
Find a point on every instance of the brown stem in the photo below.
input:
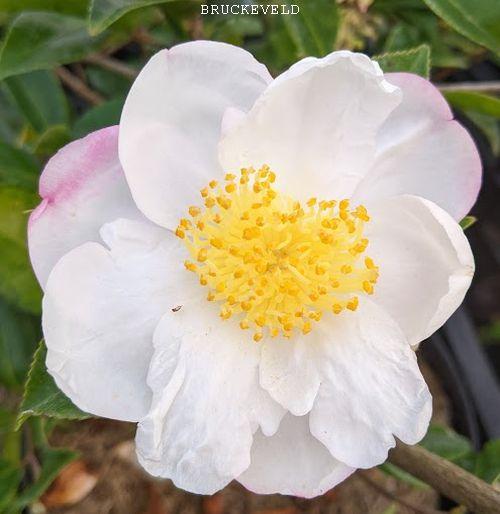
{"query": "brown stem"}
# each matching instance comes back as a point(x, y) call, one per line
point(447, 478)
point(113, 65)
point(492, 86)
point(391, 496)
point(79, 87)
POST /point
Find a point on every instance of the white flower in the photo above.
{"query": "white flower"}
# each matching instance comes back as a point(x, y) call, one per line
point(330, 237)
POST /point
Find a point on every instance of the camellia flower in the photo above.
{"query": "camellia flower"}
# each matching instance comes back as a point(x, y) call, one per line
point(245, 265)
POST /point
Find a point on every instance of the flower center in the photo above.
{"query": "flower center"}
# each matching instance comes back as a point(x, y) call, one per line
point(273, 263)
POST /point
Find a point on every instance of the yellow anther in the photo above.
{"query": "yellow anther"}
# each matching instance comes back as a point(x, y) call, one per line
point(179, 232)
point(337, 308)
point(258, 336)
point(213, 184)
point(185, 223)
point(307, 327)
point(202, 255)
point(230, 188)
point(204, 192)
point(346, 269)
point(368, 287)
point(203, 281)
point(311, 202)
point(353, 303)
point(190, 266)
point(210, 296)
point(244, 324)
point(229, 177)
point(216, 243)
point(209, 202)
point(369, 263)
point(344, 204)
point(200, 225)
point(194, 211)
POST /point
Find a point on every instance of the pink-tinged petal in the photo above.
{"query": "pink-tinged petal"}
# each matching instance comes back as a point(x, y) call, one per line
point(82, 187)
point(292, 462)
point(422, 151)
point(315, 125)
point(171, 122)
point(426, 264)
point(207, 402)
point(100, 309)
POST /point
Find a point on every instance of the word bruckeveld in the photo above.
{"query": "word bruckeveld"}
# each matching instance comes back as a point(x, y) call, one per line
point(250, 9)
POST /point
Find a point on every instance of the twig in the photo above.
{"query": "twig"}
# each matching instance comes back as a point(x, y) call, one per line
point(447, 478)
point(363, 475)
point(492, 86)
point(111, 64)
point(79, 87)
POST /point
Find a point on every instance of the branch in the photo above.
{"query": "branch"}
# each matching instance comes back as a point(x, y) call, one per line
point(113, 65)
point(447, 478)
point(393, 497)
point(492, 86)
point(79, 87)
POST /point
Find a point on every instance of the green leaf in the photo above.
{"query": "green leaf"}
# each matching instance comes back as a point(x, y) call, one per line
point(17, 281)
point(10, 476)
point(98, 117)
point(42, 396)
point(489, 127)
point(18, 167)
point(51, 140)
point(76, 7)
point(43, 40)
point(18, 336)
point(40, 98)
point(488, 462)
point(103, 13)
point(314, 29)
point(478, 20)
point(467, 222)
point(446, 443)
point(53, 460)
point(403, 476)
point(472, 101)
point(416, 60)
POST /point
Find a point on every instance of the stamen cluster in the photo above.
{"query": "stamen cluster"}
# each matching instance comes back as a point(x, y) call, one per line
point(273, 263)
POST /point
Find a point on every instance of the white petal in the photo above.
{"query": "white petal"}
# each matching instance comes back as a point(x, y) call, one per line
point(426, 264)
point(82, 188)
point(171, 122)
point(371, 389)
point(207, 402)
point(292, 462)
point(99, 313)
point(315, 126)
point(422, 151)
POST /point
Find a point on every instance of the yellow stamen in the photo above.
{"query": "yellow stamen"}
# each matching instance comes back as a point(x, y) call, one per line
point(274, 264)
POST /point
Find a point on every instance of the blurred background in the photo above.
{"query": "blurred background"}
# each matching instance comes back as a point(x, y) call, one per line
point(65, 69)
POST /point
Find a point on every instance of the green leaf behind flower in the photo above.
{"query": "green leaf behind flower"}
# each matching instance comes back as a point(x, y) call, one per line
point(42, 40)
point(478, 20)
point(42, 397)
point(416, 60)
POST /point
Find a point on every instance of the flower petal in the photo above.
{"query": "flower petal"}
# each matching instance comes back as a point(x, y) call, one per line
point(82, 188)
point(171, 122)
point(316, 125)
point(99, 313)
point(292, 462)
point(426, 264)
point(371, 389)
point(207, 402)
point(422, 151)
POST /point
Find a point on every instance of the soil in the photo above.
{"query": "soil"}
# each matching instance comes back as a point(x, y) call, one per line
point(122, 487)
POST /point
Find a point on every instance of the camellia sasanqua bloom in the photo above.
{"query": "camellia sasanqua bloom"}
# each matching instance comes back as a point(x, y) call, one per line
point(245, 265)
